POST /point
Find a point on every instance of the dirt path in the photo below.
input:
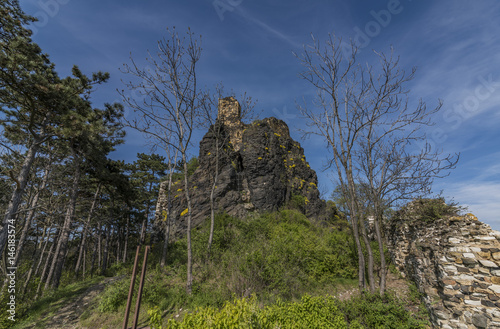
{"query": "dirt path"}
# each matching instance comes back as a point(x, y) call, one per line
point(67, 317)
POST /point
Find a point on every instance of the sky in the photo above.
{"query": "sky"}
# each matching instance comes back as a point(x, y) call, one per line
point(249, 46)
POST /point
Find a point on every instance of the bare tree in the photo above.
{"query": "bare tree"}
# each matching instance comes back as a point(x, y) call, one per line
point(208, 120)
point(167, 111)
point(371, 130)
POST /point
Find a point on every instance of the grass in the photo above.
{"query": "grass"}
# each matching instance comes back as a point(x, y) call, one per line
point(41, 311)
point(277, 258)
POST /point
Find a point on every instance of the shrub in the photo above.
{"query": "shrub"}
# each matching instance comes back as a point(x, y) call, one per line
point(374, 311)
point(428, 209)
point(310, 312)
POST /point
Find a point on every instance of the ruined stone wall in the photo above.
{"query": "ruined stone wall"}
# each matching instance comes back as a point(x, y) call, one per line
point(455, 263)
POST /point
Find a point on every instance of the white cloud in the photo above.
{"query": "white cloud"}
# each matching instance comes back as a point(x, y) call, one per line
point(251, 18)
point(482, 199)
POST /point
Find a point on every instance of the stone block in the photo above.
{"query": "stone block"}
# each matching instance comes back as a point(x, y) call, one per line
point(495, 288)
point(488, 263)
point(465, 280)
point(487, 303)
point(472, 302)
point(496, 255)
point(469, 261)
point(480, 320)
point(484, 270)
point(485, 255)
point(495, 279)
point(448, 282)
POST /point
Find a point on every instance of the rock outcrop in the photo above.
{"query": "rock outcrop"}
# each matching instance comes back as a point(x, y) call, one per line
point(260, 168)
point(455, 262)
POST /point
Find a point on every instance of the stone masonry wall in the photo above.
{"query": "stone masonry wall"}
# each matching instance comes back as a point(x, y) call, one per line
point(455, 263)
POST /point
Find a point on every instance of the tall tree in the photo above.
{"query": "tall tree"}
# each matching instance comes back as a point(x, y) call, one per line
point(208, 120)
point(91, 135)
point(371, 130)
point(145, 175)
point(30, 95)
point(168, 111)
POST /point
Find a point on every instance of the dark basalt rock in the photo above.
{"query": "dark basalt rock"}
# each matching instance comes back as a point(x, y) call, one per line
point(260, 168)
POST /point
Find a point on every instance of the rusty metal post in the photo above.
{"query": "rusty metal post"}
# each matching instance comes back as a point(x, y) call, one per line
point(141, 285)
point(131, 290)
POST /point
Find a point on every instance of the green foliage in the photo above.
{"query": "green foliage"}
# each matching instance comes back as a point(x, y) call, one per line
point(374, 311)
point(297, 202)
point(155, 319)
point(368, 311)
point(428, 209)
point(311, 312)
point(192, 165)
point(114, 296)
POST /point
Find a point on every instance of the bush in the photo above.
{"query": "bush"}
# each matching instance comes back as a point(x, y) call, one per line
point(311, 312)
point(114, 296)
point(428, 209)
point(365, 311)
point(374, 311)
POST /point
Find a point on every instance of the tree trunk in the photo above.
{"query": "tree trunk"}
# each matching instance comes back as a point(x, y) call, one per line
point(104, 264)
point(167, 216)
point(99, 245)
point(47, 261)
point(189, 284)
point(118, 240)
point(17, 194)
point(125, 246)
point(361, 257)
point(94, 256)
point(371, 279)
point(383, 272)
point(62, 245)
point(85, 228)
point(125, 243)
point(43, 251)
point(212, 192)
point(29, 217)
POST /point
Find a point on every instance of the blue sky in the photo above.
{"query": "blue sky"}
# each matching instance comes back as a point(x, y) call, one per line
point(249, 45)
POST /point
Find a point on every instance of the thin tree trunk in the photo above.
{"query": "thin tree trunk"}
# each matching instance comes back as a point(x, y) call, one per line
point(85, 228)
point(361, 257)
point(17, 194)
point(383, 272)
point(61, 249)
point(47, 261)
point(126, 237)
point(371, 279)
point(84, 261)
point(118, 239)
point(94, 256)
point(99, 245)
point(212, 192)
point(169, 209)
point(189, 284)
point(104, 265)
point(29, 217)
point(41, 255)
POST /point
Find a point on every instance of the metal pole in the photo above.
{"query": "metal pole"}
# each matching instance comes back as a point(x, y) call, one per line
point(141, 285)
point(131, 290)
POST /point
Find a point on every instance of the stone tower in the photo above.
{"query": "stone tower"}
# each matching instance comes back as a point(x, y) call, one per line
point(229, 114)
